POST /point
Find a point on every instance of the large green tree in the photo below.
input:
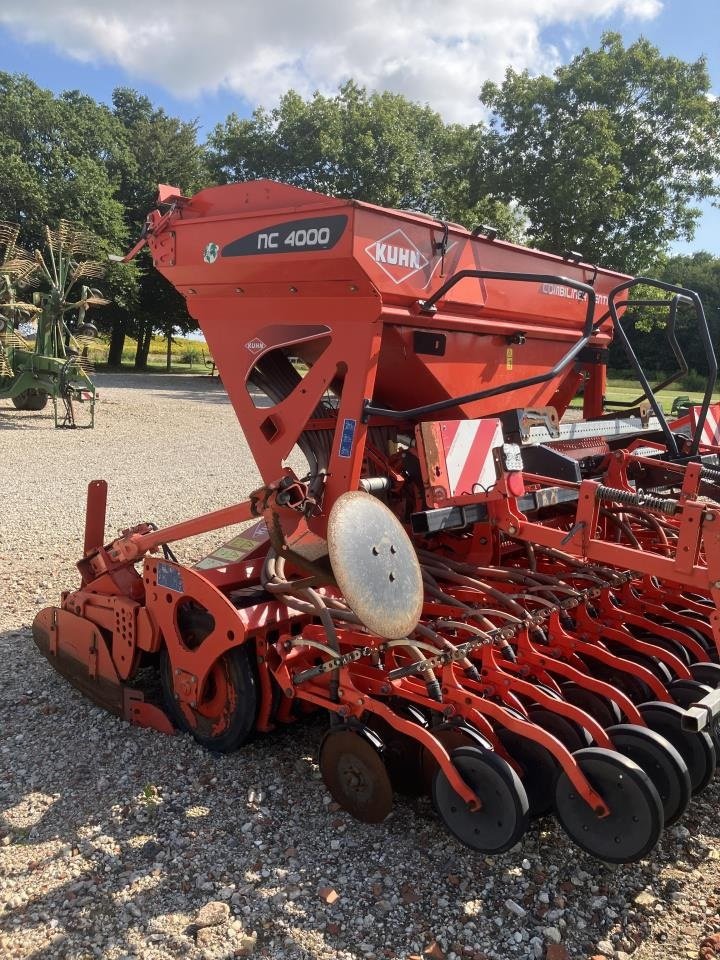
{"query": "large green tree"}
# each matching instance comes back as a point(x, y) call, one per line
point(609, 155)
point(61, 157)
point(163, 149)
point(378, 147)
point(699, 271)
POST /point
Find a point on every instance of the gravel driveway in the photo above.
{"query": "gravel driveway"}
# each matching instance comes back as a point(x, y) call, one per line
point(117, 842)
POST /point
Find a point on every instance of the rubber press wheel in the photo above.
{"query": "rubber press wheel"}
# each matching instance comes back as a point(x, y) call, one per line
point(538, 771)
point(451, 736)
point(708, 673)
point(224, 717)
point(503, 817)
point(605, 711)
point(660, 761)
point(696, 749)
point(569, 733)
point(687, 692)
point(635, 822)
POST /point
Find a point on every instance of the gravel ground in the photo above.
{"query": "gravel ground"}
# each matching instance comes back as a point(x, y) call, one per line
point(117, 842)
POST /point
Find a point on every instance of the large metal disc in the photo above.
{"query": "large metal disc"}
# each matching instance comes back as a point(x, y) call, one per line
point(355, 775)
point(635, 822)
point(375, 565)
point(503, 817)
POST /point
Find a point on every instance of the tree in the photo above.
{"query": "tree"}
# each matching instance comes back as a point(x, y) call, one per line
point(164, 149)
point(61, 158)
point(377, 147)
point(607, 156)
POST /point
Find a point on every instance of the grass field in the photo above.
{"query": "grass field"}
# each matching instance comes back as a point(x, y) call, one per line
point(188, 356)
point(625, 391)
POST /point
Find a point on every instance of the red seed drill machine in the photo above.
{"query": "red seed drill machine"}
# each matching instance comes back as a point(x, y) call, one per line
point(511, 609)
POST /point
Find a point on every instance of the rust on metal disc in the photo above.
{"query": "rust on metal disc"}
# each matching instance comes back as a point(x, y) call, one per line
point(375, 565)
point(355, 775)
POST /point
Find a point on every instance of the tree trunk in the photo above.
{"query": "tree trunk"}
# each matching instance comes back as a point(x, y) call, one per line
point(117, 342)
point(168, 362)
point(145, 329)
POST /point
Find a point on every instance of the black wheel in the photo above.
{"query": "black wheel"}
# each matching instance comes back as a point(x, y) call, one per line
point(538, 772)
point(660, 761)
point(694, 634)
point(635, 822)
point(31, 399)
point(503, 817)
point(696, 749)
point(672, 646)
point(403, 754)
point(708, 673)
point(633, 687)
point(605, 711)
point(224, 717)
point(687, 692)
point(451, 736)
point(570, 734)
point(352, 767)
point(655, 666)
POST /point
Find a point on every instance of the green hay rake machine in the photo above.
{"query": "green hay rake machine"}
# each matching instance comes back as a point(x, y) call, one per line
point(56, 365)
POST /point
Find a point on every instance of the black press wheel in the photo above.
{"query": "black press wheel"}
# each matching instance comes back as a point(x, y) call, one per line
point(451, 735)
point(224, 717)
point(696, 749)
point(687, 692)
point(708, 673)
point(538, 770)
point(403, 754)
point(31, 399)
point(353, 770)
point(503, 817)
point(605, 711)
point(635, 822)
point(660, 761)
point(570, 734)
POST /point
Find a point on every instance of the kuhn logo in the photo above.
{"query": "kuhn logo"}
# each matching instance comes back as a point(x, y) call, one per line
point(397, 255)
point(255, 346)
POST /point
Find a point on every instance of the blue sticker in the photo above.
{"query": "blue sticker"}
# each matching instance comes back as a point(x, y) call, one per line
point(348, 435)
point(169, 577)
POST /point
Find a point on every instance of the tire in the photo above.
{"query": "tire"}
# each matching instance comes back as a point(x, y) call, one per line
point(31, 399)
point(213, 725)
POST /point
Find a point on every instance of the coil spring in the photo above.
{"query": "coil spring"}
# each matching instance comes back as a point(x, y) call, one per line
point(662, 505)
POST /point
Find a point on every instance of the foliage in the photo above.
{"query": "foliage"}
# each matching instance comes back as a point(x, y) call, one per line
point(377, 147)
point(607, 156)
point(62, 158)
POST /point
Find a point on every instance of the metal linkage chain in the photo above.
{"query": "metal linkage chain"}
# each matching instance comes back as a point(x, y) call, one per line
point(452, 656)
point(668, 507)
point(329, 665)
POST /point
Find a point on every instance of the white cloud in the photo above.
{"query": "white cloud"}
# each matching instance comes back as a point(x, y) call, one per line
point(435, 51)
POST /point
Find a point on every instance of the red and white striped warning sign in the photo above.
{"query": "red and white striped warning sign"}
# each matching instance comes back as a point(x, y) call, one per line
point(468, 446)
point(711, 427)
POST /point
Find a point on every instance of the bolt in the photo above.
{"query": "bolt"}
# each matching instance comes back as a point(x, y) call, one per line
point(512, 529)
point(193, 703)
point(716, 584)
point(177, 673)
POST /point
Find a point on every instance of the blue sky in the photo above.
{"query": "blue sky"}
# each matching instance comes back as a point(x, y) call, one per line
point(238, 54)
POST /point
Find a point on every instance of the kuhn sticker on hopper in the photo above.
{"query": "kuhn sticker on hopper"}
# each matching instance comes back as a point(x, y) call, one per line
point(515, 612)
